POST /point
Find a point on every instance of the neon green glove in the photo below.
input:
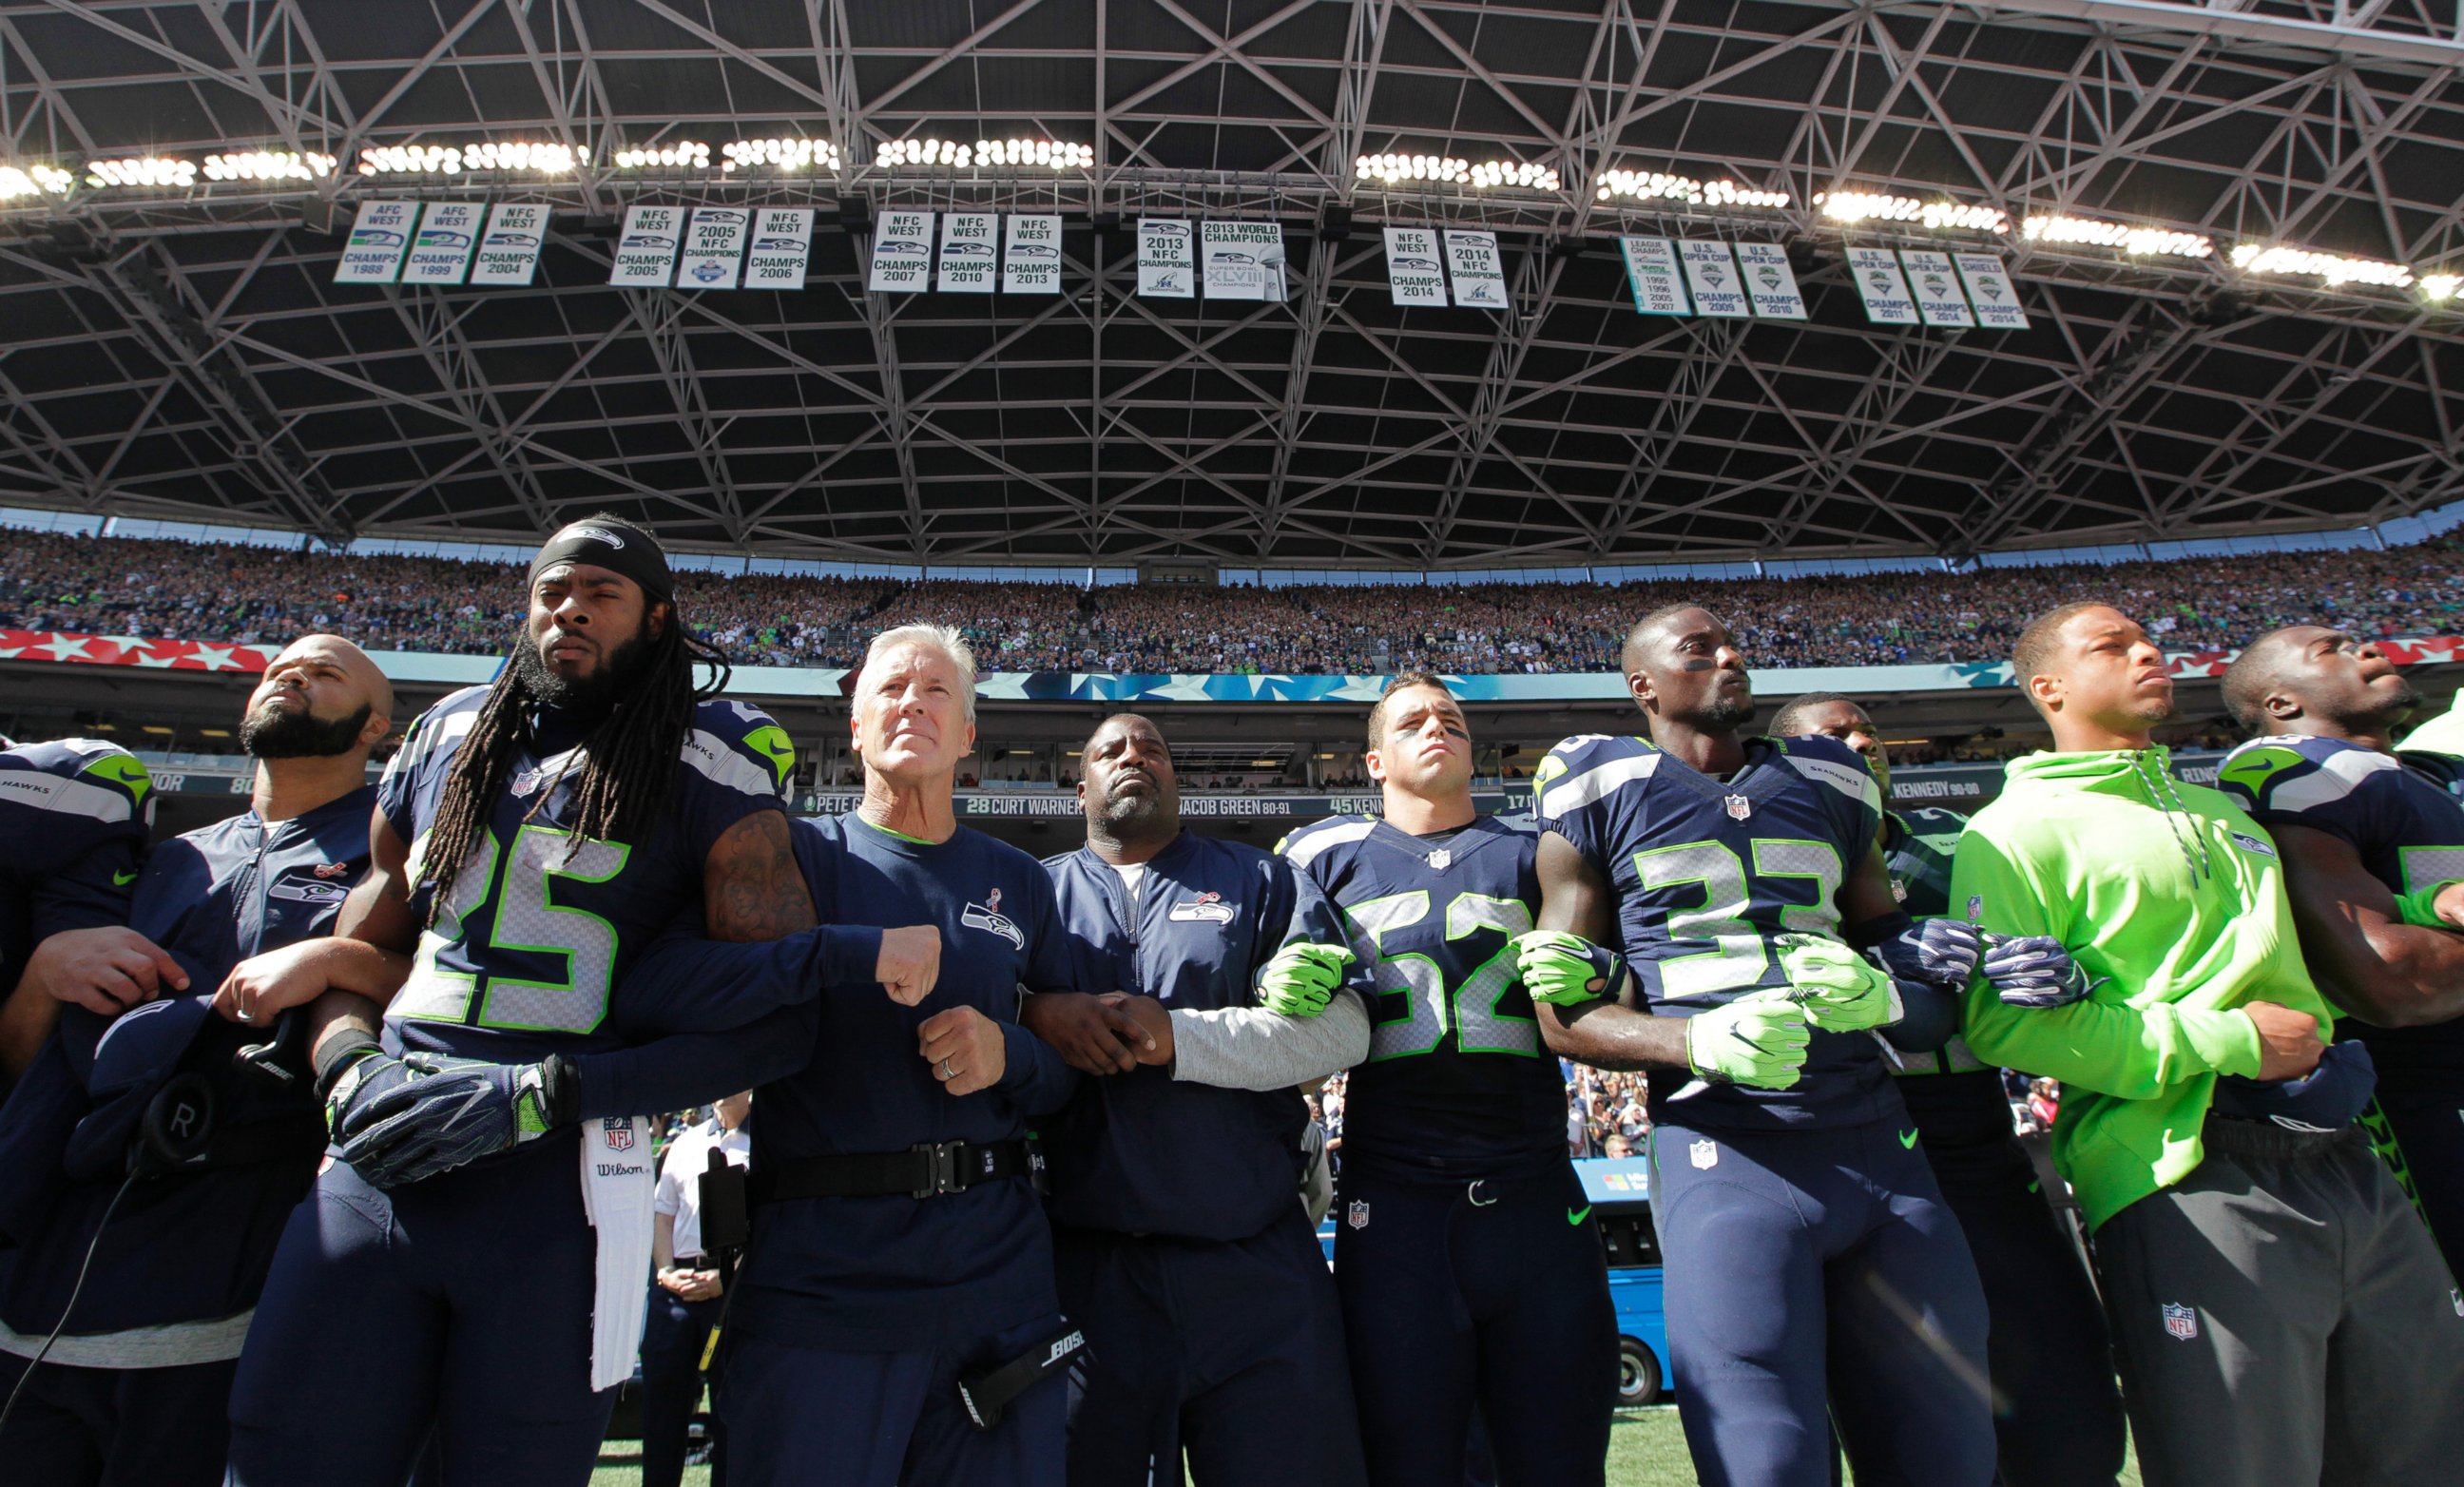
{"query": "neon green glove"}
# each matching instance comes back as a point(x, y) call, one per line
point(1301, 979)
point(1841, 990)
point(1567, 969)
point(1757, 1039)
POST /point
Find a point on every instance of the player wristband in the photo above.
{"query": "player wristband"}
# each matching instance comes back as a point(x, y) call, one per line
point(336, 1055)
point(2421, 907)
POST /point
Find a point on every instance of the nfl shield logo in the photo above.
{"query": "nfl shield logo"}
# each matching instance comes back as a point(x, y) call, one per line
point(1438, 859)
point(1358, 1215)
point(618, 1131)
point(2181, 1322)
point(1703, 1154)
point(1740, 808)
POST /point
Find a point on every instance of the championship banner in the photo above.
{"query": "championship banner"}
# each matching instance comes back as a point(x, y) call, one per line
point(1651, 270)
point(1478, 272)
point(1769, 282)
point(1936, 286)
point(1876, 275)
point(713, 248)
point(509, 252)
point(968, 254)
point(380, 235)
point(440, 254)
point(1414, 272)
point(1167, 259)
point(782, 244)
point(902, 253)
point(1711, 274)
point(1243, 260)
point(1989, 289)
point(645, 251)
point(1032, 257)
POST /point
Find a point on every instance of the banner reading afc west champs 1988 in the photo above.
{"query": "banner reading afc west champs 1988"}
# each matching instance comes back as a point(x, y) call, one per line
point(380, 235)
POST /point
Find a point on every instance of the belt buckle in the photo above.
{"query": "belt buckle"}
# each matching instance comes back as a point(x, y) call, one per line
point(940, 1167)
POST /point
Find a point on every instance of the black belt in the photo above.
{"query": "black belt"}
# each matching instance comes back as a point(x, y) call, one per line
point(923, 1171)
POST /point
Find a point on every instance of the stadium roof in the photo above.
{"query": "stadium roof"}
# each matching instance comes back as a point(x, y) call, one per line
point(180, 350)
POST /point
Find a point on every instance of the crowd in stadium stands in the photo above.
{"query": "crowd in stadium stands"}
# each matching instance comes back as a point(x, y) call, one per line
point(260, 595)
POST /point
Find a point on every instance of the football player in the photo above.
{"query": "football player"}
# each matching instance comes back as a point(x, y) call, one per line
point(2373, 845)
point(2279, 1313)
point(1470, 1267)
point(137, 1385)
point(529, 839)
point(1694, 890)
point(2057, 1415)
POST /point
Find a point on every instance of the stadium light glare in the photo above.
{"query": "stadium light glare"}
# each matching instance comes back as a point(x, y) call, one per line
point(1393, 169)
point(2252, 258)
point(1882, 207)
point(34, 180)
point(2439, 288)
point(685, 154)
point(780, 154)
point(142, 170)
point(266, 165)
point(1490, 175)
point(1661, 186)
point(2140, 242)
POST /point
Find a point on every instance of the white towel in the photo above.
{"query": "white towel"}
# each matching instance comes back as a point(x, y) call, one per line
point(618, 1182)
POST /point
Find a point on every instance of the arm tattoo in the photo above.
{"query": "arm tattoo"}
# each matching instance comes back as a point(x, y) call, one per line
point(752, 887)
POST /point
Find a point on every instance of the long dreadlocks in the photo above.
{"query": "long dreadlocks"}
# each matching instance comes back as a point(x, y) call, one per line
point(628, 760)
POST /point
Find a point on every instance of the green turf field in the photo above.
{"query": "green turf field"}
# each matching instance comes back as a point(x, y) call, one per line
point(1646, 1449)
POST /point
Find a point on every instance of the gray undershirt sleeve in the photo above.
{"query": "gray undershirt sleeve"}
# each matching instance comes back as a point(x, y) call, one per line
point(1249, 1047)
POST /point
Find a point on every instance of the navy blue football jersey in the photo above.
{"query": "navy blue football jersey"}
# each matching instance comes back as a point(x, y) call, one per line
point(73, 817)
point(1713, 878)
point(1457, 1081)
point(2403, 813)
point(534, 941)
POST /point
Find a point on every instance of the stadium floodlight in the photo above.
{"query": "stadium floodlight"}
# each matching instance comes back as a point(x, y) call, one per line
point(1661, 186)
point(2140, 242)
point(680, 154)
point(34, 180)
point(1489, 175)
point(1882, 207)
point(456, 158)
point(269, 164)
point(2336, 270)
point(142, 170)
point(780, 154)
point(1394, 170)
point(2439, 288)
point(1041, 154)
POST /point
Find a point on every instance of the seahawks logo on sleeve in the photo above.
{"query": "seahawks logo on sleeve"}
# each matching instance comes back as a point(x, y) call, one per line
point(2287, 776)
point(86, 778)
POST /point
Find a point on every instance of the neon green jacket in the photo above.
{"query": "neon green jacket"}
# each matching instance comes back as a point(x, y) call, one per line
point(2173, 893)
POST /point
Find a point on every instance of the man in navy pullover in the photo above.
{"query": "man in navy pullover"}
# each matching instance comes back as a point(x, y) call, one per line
point(1182, 1248)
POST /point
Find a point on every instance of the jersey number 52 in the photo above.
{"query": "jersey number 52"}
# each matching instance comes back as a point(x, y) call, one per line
point(1469, 1008)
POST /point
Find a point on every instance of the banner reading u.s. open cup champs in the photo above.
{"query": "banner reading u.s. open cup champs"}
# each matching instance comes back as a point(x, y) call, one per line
point(970, 253)
point(646, 250)
point(1711, 275)
point(1989, 289)
point(440, 251)
point(380, 235)
point(714, 252)
point(1032, 257)
point(1414, 275)
point(902, 253)
point(509, 251)
point(1167, 259)
point(1242, 260)
point(782, 244)
point(1478, 269)
point(1769, 282)
point(1877, 277)
point(1651, 271)
point(1935, 284)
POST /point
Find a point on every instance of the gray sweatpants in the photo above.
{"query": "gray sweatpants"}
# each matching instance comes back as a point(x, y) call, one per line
point(2282, 1319)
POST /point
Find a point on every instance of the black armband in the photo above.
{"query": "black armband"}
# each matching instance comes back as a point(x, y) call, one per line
point(1879, 930)
point(337, 1053)
point(560, 1090)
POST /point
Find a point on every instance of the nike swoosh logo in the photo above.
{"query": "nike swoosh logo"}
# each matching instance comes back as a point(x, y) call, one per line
point(1578, 1216)
point(2032, 1185)
point(122, 879)
point(1908, 1140)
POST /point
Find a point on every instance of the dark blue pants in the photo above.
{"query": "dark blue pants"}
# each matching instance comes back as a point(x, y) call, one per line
point(116, 1427)
point(673, 1339)
point(1814, 1274)
point(796, 1417)
point(1229, 1351)
point(2428, 1123)
point(2058, 1409)
point(1494, 1293)
point(460, 1305)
